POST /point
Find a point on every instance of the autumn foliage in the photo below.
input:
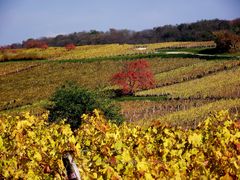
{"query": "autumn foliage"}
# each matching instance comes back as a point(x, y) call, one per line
point(227, 41)
point(31, 43)
point(44, 46)
point(135, 75)
point(70, 47)
point(31, 148)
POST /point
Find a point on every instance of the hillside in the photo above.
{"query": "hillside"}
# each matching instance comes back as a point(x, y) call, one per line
point(184, 79)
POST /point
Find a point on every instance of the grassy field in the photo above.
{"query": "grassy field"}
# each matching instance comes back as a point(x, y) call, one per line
point(187, 88)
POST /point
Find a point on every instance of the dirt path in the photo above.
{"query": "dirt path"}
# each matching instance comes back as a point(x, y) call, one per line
point(19, 70)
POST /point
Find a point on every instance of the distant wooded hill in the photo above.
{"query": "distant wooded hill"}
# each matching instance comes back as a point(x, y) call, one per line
point(197, 31)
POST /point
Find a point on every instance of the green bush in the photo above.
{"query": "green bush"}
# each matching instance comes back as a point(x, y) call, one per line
point(71, 101)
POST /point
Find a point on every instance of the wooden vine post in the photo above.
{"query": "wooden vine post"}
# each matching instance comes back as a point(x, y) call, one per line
point(71, 167)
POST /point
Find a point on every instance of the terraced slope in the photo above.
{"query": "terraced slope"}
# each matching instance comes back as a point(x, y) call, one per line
point(22, 85)
point(225, 84)
point(194, 71)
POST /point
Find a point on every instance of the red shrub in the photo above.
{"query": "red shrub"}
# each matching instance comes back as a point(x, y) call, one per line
point(70, 47)
point(44, 46)
point(13, 51)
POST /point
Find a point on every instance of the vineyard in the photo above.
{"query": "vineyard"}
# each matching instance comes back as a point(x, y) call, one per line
point(198, 80)
point(49, 76)
point(194, 71)
point(185, 126)
point(150, 110)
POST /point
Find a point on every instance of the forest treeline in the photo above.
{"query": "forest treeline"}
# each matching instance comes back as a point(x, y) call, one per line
point(197, 31)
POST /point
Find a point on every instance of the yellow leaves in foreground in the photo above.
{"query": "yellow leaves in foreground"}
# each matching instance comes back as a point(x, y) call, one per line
point(32, 148)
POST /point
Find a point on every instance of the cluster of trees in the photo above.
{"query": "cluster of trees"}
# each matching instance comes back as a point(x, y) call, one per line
point(32, 43)
point(198, 31)
point(227, 41)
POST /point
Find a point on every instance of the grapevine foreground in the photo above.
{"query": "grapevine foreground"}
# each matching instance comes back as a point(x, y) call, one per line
point(30, 148)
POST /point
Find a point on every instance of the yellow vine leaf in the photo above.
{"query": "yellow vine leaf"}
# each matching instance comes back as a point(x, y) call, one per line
point(195, 139)
point(142, 166)
point(1, 143)
point(126, 156)
point(148, 176)
point(118, 145)
point(37, 156)
point(226, 177)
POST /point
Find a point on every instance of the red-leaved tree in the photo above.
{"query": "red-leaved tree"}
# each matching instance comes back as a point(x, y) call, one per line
point(135, 75)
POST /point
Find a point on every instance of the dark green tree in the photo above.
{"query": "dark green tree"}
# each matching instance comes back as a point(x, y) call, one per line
point(70, 102)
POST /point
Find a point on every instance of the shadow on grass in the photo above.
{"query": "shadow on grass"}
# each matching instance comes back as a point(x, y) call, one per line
point(141, 98)
point(212, 51)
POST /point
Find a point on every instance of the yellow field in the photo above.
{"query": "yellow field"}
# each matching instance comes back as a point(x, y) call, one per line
point(93, 51)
